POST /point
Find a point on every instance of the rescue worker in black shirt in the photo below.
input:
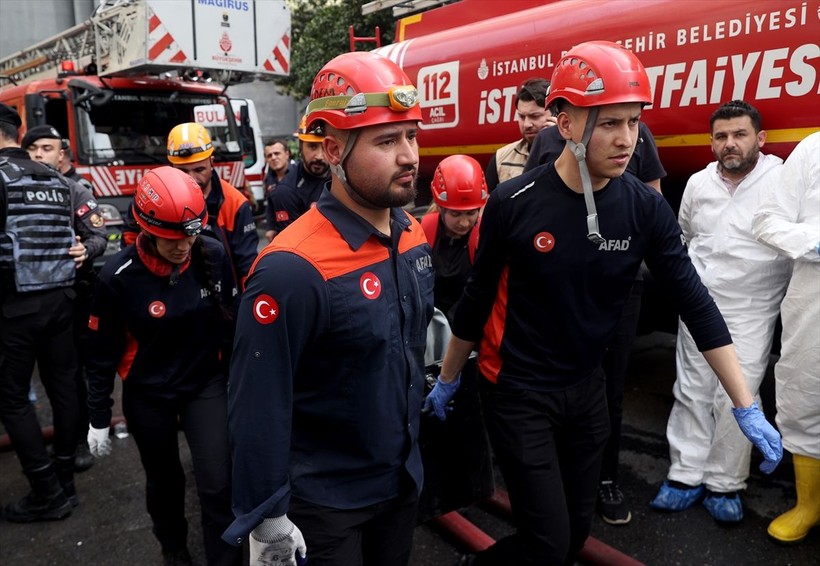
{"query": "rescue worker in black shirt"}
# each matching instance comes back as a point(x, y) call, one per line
point(45, 145)
point(559, 250)
point(459, 193)
point(301, 187)
point(36, 320)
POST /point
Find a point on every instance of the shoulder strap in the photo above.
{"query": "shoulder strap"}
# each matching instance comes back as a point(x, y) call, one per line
point(472, 243)
point(429, 223)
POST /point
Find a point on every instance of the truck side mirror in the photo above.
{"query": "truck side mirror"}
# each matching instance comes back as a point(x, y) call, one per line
point(35, 110)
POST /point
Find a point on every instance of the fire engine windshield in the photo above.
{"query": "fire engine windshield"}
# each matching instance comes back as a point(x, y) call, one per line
point(132, 127)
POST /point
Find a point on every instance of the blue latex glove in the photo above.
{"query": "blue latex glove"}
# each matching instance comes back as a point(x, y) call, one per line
point(762, 434)
point(438, 398)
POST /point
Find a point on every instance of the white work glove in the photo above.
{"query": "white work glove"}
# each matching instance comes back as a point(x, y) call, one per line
point(98, 441)
point(277, 542)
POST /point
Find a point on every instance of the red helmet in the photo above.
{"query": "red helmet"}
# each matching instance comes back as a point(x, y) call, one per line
point(599, 72)
point(458, 184)
point(361, 89)
point(169, 204)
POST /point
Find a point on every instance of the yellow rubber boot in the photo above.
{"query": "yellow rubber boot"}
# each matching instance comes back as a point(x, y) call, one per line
point(794, 525)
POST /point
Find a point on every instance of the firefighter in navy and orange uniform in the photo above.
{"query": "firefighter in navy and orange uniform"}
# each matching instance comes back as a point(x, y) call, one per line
point(230, 217)
point(302, 186)
point(547, 289)
point(459, 193)
point(47, 231)
point(327, 374)
point(163, 318)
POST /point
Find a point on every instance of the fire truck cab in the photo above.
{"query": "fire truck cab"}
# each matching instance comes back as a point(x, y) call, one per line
point(116, 84)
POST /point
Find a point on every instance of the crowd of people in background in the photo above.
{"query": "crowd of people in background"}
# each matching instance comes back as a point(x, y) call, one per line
point(297, 374)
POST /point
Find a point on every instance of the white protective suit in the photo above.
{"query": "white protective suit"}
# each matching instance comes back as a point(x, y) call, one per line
point(789, 221)
point(747, 280)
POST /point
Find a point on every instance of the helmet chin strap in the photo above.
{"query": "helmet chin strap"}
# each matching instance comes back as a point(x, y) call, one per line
point(579, 150)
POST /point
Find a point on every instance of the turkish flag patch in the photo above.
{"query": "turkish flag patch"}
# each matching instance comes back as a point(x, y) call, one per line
point(265, 309)
point(282, 215)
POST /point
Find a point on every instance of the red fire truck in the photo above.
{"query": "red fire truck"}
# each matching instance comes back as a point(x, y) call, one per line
point(116, 84)
point(469, 57)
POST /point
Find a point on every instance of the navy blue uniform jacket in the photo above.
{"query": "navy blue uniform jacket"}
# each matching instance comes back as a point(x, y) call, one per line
point(164, 339)
point(327, 374)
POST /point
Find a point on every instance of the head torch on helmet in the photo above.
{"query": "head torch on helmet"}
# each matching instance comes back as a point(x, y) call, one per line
point(360, 89)
point(397, 98)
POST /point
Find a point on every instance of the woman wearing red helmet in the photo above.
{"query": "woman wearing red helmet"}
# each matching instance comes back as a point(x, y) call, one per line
point(546, 293)
point(451, 226)
point(162, 319)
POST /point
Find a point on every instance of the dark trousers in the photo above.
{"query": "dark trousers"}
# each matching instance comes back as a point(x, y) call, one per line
point(154, 423)
point(377, 535)
point(82, 310)
point(38, 326)
point(549, 447)
point(615, 363)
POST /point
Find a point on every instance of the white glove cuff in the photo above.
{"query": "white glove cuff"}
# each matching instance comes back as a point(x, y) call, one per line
point(273, 530)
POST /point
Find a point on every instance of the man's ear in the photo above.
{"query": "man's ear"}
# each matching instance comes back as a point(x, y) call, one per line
point(333, 149)
point(564, 124)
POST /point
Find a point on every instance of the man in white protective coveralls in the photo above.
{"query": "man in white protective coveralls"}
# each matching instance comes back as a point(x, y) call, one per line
point(709, 454)
point(789, 221)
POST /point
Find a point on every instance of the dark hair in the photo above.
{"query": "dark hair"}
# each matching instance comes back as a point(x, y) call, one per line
point(735, 109)
point(533, 90)
point(9, 131)
point(279, 141)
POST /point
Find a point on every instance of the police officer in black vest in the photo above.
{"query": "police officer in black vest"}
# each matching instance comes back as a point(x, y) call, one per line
point(45, 145)
point(40, 251)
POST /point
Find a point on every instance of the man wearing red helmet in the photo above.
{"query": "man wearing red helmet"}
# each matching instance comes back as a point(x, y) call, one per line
point(327, 374)
point(162, 319)
point(550, 279)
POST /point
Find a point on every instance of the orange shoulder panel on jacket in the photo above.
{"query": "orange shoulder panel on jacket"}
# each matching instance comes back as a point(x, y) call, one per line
point(314, 238)
point(233, 200)
point(413, 237)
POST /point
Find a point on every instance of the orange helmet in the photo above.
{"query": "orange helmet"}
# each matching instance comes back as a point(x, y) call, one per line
point(311, 136)
point(458, 184)
point(188, 143)
point(361, 89)
point(169, 204)
point(599, 72)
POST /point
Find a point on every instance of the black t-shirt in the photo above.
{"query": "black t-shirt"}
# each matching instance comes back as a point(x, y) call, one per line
point(451, 260)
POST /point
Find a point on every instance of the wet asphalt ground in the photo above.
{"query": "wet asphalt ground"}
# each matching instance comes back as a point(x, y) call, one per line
point(112, 528)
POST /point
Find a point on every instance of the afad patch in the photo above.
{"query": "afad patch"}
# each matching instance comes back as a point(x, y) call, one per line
point(265, 309)
point(370, 285)
point(96, 220)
